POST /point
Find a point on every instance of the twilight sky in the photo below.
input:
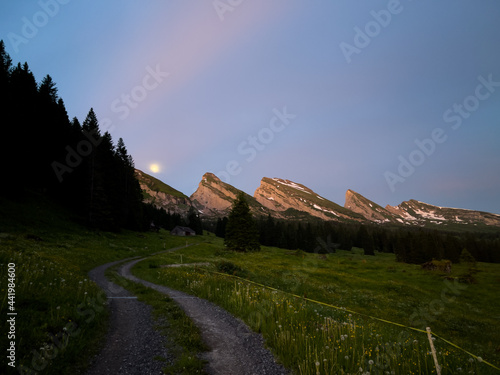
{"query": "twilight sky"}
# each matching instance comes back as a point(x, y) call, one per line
point(393, 99)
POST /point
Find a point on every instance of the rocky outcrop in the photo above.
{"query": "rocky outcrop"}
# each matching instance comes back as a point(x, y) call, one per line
point(215, 197)
point(287, 196)
point(162, 195)
point(416, 212)
point(368, 209)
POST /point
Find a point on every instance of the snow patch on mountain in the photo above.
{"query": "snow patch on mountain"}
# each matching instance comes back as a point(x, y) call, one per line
point(324, 209)
point(291, 184)
point(429, 215)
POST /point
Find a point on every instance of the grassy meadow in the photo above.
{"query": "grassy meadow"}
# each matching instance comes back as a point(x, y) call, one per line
point(312, 338)
point(61, 315)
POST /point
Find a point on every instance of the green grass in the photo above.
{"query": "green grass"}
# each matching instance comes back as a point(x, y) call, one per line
point(159, 186)
point(183, 339)
point(62, 315)
point(299, 331)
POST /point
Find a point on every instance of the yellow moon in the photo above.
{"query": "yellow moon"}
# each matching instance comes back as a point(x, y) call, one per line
point(155, 168)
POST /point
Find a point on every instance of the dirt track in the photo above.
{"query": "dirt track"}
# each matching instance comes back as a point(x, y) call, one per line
point(234, 349)
point(131, 343)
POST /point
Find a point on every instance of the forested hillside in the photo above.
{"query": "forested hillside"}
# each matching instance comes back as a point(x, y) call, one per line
point(76, 164)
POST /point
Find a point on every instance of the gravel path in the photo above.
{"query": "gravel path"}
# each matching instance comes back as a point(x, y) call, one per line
point(132, 343)
point(235, 349)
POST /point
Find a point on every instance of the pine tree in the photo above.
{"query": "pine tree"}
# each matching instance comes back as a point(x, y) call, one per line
point(8, 128)
point(194, 221)
point(466, 257)
point(128, 190)
point(23, 128)
point(48, 89)
point(366, 241)
point(220, 229)
point(5, 66)
point(241, 231)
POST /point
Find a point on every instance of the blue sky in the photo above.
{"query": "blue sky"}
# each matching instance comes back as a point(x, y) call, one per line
point(393, 99)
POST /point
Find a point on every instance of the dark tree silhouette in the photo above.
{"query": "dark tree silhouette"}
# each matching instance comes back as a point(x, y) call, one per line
point(241, 231)
point(194, 221)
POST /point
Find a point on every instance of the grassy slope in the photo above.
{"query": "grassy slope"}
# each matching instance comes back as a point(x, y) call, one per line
point(158, 185)
point(377, 286)
point(53, 256)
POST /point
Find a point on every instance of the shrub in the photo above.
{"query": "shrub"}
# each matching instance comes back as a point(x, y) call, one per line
point(466, 257)
point(231, 269)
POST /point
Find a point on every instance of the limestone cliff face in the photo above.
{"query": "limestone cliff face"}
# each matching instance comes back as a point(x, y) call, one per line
point(213, 197)
point(416, 212)
point(162, 195)
point(282, 195)
point(365, 207)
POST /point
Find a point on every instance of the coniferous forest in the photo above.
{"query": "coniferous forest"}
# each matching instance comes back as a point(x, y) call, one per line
point(76, 164)
point(410, 245)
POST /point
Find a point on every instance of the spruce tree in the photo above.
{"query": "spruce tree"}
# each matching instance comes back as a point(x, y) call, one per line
point(365, 240)
point(48, 89)
point(220, 229)
point(194, 221)
point(241, 230)
point(5, 67)
point(466, 257)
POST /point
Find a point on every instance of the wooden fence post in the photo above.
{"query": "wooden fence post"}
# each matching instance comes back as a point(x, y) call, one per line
point(433, 350)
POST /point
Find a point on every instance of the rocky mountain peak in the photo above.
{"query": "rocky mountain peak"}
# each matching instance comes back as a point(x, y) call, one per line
point(365, 207)
point(210, 177)
point(215, 197)
point(281, 195)
point(419, 213)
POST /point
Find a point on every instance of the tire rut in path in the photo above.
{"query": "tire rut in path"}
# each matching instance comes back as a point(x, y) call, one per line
point(131, 343)
point(235, 349)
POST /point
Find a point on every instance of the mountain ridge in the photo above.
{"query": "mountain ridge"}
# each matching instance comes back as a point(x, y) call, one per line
point(289, 200)
point(279, 195)
point(215, 197)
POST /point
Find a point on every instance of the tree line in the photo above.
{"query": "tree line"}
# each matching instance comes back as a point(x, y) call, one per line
point(410, 245)
point(76, 164)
